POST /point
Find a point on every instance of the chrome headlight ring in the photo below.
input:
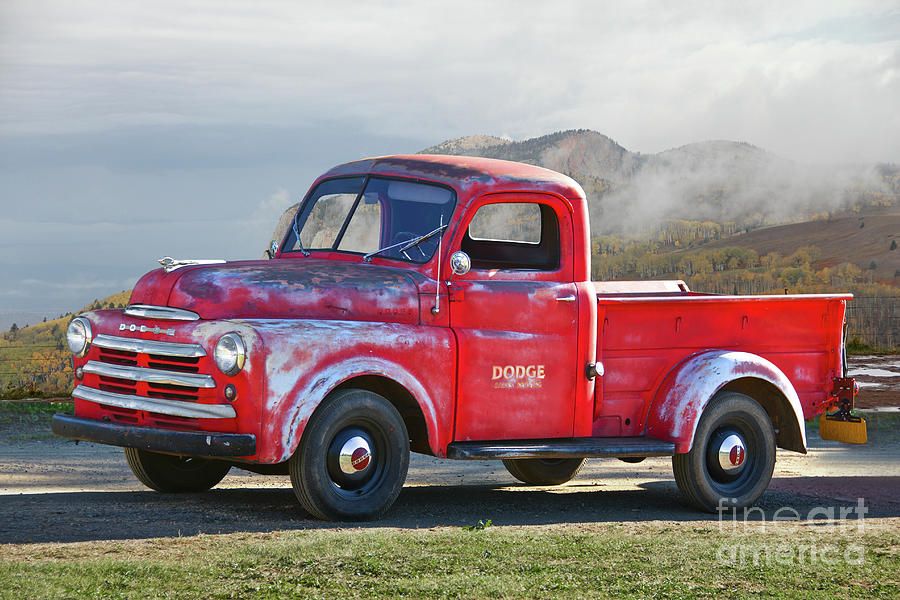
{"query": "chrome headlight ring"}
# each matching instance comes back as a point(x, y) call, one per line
point(230, 354)
point(79, 336)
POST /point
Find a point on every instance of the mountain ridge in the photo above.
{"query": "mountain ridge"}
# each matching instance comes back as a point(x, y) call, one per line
point(718, 180)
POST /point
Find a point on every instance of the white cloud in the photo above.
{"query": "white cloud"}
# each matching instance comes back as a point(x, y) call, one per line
point(266, 216)
point(651, 74)
point(129, 130)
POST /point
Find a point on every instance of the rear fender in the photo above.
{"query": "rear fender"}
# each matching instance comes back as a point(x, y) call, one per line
point(679, 402)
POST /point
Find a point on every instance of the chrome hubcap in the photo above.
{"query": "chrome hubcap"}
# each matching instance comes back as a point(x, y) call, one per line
point(732, 454)
point(355, 456)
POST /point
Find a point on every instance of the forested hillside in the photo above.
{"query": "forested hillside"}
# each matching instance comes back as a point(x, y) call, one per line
point(35, 360)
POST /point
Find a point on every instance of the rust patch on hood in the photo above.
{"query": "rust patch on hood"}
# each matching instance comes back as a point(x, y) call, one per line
point(294, 289)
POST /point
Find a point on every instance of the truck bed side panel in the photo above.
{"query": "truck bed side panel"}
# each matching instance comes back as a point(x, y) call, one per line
point(642, 339)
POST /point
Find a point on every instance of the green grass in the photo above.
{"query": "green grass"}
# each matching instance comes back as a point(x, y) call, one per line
point(592, 561)
point(14, 408)
point(855, 346)
point(29, 420)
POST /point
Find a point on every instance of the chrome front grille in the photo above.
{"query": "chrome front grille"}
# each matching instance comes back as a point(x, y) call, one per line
point(157, 377)
point(153, 376)
point(167, 407)
point(147, 311)
point(114, 342)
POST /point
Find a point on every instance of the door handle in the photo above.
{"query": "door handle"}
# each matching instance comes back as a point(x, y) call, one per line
point(566, 299)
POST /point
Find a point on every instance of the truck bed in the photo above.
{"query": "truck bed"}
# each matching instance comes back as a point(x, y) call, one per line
point(644, 333)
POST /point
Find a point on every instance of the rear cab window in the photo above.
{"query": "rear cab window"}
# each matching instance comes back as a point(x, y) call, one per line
point(513, 236)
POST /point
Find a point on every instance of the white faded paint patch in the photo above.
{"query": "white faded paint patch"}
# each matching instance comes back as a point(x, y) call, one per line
point(506, 335)
point(803, 374)
point(306, 359)
point(207, 334)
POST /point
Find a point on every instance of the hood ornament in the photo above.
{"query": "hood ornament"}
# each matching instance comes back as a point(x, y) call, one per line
point(169, 264)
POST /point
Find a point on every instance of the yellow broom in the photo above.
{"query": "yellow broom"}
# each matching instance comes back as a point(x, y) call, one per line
point(843, 428)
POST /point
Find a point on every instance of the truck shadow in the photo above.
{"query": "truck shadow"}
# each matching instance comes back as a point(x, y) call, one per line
point(96, 516)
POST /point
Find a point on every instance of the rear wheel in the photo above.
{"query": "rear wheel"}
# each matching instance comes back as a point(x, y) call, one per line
point(733, 456)
point(543, 471)
point(352, 459)
point(167, 473)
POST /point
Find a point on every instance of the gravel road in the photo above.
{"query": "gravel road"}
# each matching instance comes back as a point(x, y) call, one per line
point(52, 490)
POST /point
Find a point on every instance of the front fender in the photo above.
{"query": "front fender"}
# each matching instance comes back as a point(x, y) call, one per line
point(307, 359)
point(679, 402)
point(311, 396)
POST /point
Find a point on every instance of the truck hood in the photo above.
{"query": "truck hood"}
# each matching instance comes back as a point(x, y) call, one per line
point(285, 289)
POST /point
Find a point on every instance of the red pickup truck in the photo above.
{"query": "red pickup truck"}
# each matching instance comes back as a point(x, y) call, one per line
point(444, 305)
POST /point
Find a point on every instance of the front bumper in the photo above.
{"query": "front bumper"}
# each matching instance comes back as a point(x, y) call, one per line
point(189, 443)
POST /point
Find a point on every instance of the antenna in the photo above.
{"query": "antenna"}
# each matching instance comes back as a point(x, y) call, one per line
point(437, 279)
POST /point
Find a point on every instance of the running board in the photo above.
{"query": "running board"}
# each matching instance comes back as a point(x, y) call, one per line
point(611, 447)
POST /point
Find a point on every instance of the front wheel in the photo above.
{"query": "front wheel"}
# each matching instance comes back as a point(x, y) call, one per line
point(543, 471)
point(167, 473)
point(352, 459)
point(733, 456)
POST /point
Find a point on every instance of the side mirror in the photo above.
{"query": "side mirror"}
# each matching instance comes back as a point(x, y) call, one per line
point(460, 263)
point(272, 249)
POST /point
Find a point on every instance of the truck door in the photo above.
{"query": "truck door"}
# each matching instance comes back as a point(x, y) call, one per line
point(515, 315)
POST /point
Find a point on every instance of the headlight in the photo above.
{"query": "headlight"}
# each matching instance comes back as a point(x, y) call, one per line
point(78, 336)
point(230, 354)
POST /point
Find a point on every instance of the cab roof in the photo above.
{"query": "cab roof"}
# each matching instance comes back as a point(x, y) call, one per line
point(467, 174)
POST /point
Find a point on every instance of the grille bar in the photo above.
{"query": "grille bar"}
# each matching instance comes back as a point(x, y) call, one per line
point(166, 313)
point(114, 342)
point(161, 406)
point(149, 375)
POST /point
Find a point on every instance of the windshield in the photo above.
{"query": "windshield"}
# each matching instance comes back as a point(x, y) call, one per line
point(363, 215)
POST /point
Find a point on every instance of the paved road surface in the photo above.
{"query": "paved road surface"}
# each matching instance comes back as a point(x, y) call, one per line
point(52, 490)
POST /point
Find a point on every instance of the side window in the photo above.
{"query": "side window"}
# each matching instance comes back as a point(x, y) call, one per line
point(513, 235)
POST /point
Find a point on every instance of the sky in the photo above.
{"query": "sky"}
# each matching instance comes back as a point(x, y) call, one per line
point(135, 130)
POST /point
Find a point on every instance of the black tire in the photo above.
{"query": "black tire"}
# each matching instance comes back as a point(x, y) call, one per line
point(166, 473)
point(633, 459)
point(340, 490)
point(701, 474)
point(543, 471)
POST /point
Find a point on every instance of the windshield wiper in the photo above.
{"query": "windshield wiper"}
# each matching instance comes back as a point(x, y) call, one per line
point(414, 243)
point(407, 244)
point(296, 229)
